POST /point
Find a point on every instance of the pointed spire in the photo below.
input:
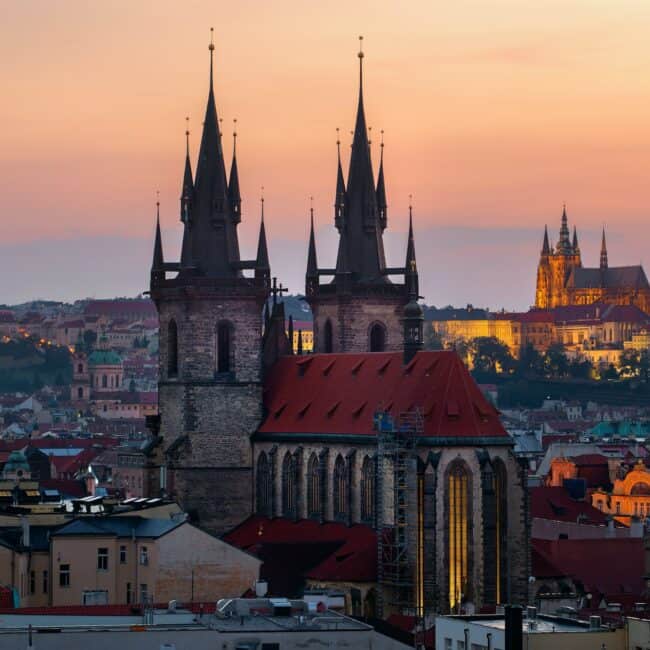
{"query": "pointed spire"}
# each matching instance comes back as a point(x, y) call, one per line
point(187, 193)
point(381, 189)
point(234, 195)
point(411, 268)
point(564, 243)
point(262, 266)
point(339, 199)
point(157, 265)
point(574, 244)
point(546, 249)
point(311, 277)
point(603, 252)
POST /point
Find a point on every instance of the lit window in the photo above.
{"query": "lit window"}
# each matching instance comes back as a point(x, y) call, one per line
point(458, 517)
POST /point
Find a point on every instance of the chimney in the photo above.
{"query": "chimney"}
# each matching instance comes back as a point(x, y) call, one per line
point(514, 632)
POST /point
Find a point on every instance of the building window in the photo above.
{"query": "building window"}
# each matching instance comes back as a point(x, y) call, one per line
point(80, 392)
point(377, 338)
point(289, 486)
point(104, 381)
point(328, 337)
point(122, 554)
point(458, 513)
point(618, 507)
point(224, 348)
point(144, 592)
point(102, 559)
point(64, 575)
point(144, 555)
point(32, 582)
point(172, 349)
point(46, 581)
point(313, 487)
point(264, 486)
point(368, 490)
point(340, 489)
point(500, 479)
point(80, 368)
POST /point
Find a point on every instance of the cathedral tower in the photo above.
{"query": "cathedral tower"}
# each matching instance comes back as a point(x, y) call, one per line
point(210, 315)
point(360, 309)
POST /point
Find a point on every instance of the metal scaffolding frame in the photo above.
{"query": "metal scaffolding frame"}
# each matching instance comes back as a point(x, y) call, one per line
point(397, 440)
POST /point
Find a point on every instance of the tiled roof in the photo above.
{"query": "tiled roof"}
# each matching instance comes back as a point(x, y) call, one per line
point(555, 503)
point(340, 393)
point(610, 278)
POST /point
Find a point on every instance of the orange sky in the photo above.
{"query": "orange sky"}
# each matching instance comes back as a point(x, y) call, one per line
point(494, 112)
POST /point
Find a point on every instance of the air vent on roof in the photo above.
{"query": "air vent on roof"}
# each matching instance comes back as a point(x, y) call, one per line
point(328, 367)
point(304, 409)
point(332, 409)
point(383, 367)
point(452, 409)
point(277, 412)
point(357, 366)
point(430, 367)
point(357, 412)
point(409, 368)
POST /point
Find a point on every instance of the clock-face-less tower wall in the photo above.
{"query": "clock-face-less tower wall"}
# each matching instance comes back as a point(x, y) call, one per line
point(210, 307)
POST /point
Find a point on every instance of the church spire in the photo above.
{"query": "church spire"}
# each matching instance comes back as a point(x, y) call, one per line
point(413, 321)
point(339, 199)
point(361, 246)
point(262, 266)
point(603, 252)
point(234, 195)
point(381, 189)
point(546, 249)
point(157, 265)
point(574, 245)
point(411, 268)
point(564, 243)
point(312, 260)
point(187, 192)
point(215, 248)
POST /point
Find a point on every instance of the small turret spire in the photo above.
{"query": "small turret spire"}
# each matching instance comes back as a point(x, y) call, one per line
point(411, 268)
point(381, 188)
point(339, 199)
point(546, 249)
point(603, 252)
point(187, 197)
point(234, 195)
point(413, 321)
point(575, 246)
point(311, 277)
point(564, 243)
point(157, 265)
point(262, 266)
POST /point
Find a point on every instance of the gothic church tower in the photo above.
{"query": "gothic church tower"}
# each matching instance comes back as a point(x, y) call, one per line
point(360, 309)
point(210, 306)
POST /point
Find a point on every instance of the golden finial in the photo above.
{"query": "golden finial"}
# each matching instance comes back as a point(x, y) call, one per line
point(220, 125)
point(211, 46)
point(382, 138)
point(234, 134)
point(369, 135)
point(311, 207)
point(410, 206)
point(360, 47)
point(262, 201)
point(187, 134)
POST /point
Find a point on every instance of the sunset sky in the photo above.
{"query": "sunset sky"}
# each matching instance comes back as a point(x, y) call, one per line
point(495, 113)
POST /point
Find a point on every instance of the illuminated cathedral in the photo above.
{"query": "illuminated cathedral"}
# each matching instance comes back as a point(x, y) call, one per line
point(562, 280)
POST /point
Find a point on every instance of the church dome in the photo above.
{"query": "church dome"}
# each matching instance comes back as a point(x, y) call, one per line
point(16, 462)
point(104, 358)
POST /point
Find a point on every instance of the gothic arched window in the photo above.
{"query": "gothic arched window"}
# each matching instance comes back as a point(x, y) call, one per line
point(224, 349)
point(264, 486)
point(172, 349)
point(368, 490)
point(501, 529)
point(313, 487)
point(328, 337)
point(458, 524)
point(377, 338)
point(340, 489)
point(80, 392)
point(289, 485)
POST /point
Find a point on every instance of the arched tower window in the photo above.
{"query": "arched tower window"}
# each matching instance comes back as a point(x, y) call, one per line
point(80, 368)
point(313, 487)
point(289, 486)
point(340, 489)
point(172, 349)
point(368, 490)
point(377, 338)
point(80, 392)
point(224, 351)
point(104, 381)
point(328, 337)
point(459, 529)
point(501, 529)
point(264, 486)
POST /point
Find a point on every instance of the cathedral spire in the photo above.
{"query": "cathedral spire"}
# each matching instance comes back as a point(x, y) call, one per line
point(574, 245)
point(215, 248)
point(411, 269)
point(187, 192)
point(603, 252)
point(339, 199)
point(361, 246)
point(262, 266)
point(413, 321)
point(546, 249)
point(312, 260)
point(564, 243)
point(158, 262)
point(381, 189)
point(234, 195)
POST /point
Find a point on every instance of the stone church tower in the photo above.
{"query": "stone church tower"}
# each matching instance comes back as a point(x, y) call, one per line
point(360, 309)
point(210, 313)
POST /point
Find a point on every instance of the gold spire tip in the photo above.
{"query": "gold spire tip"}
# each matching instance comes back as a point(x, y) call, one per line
point(361, 47)
point(211, 46)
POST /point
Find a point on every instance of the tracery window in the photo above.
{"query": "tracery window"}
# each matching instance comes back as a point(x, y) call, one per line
point(368, 489)
point(313, 487)
point(264, 486)
point(172, 349)
point(458, 524)
point(340, 489)
point(224, 350)
point(501, 529)
point(289, 485)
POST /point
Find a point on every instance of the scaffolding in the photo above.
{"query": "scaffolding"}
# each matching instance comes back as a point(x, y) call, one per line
point(397, 523)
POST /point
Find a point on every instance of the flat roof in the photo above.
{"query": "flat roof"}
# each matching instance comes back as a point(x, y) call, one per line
point(543, 624)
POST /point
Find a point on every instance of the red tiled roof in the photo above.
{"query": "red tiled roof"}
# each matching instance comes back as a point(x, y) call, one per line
point(340, 393)
point(556, 504)
point(354, 558)
point(604, 566)
point(67, 487)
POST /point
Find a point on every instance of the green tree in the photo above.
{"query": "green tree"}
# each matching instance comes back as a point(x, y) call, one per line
point(491, 356)
point(581, 368)
point(556, 362)
point(609, 373)
point(531, 362)
point(630, 363)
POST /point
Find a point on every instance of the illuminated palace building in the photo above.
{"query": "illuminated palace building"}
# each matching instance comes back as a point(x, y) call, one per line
point(562, 280)
point(369, 433)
